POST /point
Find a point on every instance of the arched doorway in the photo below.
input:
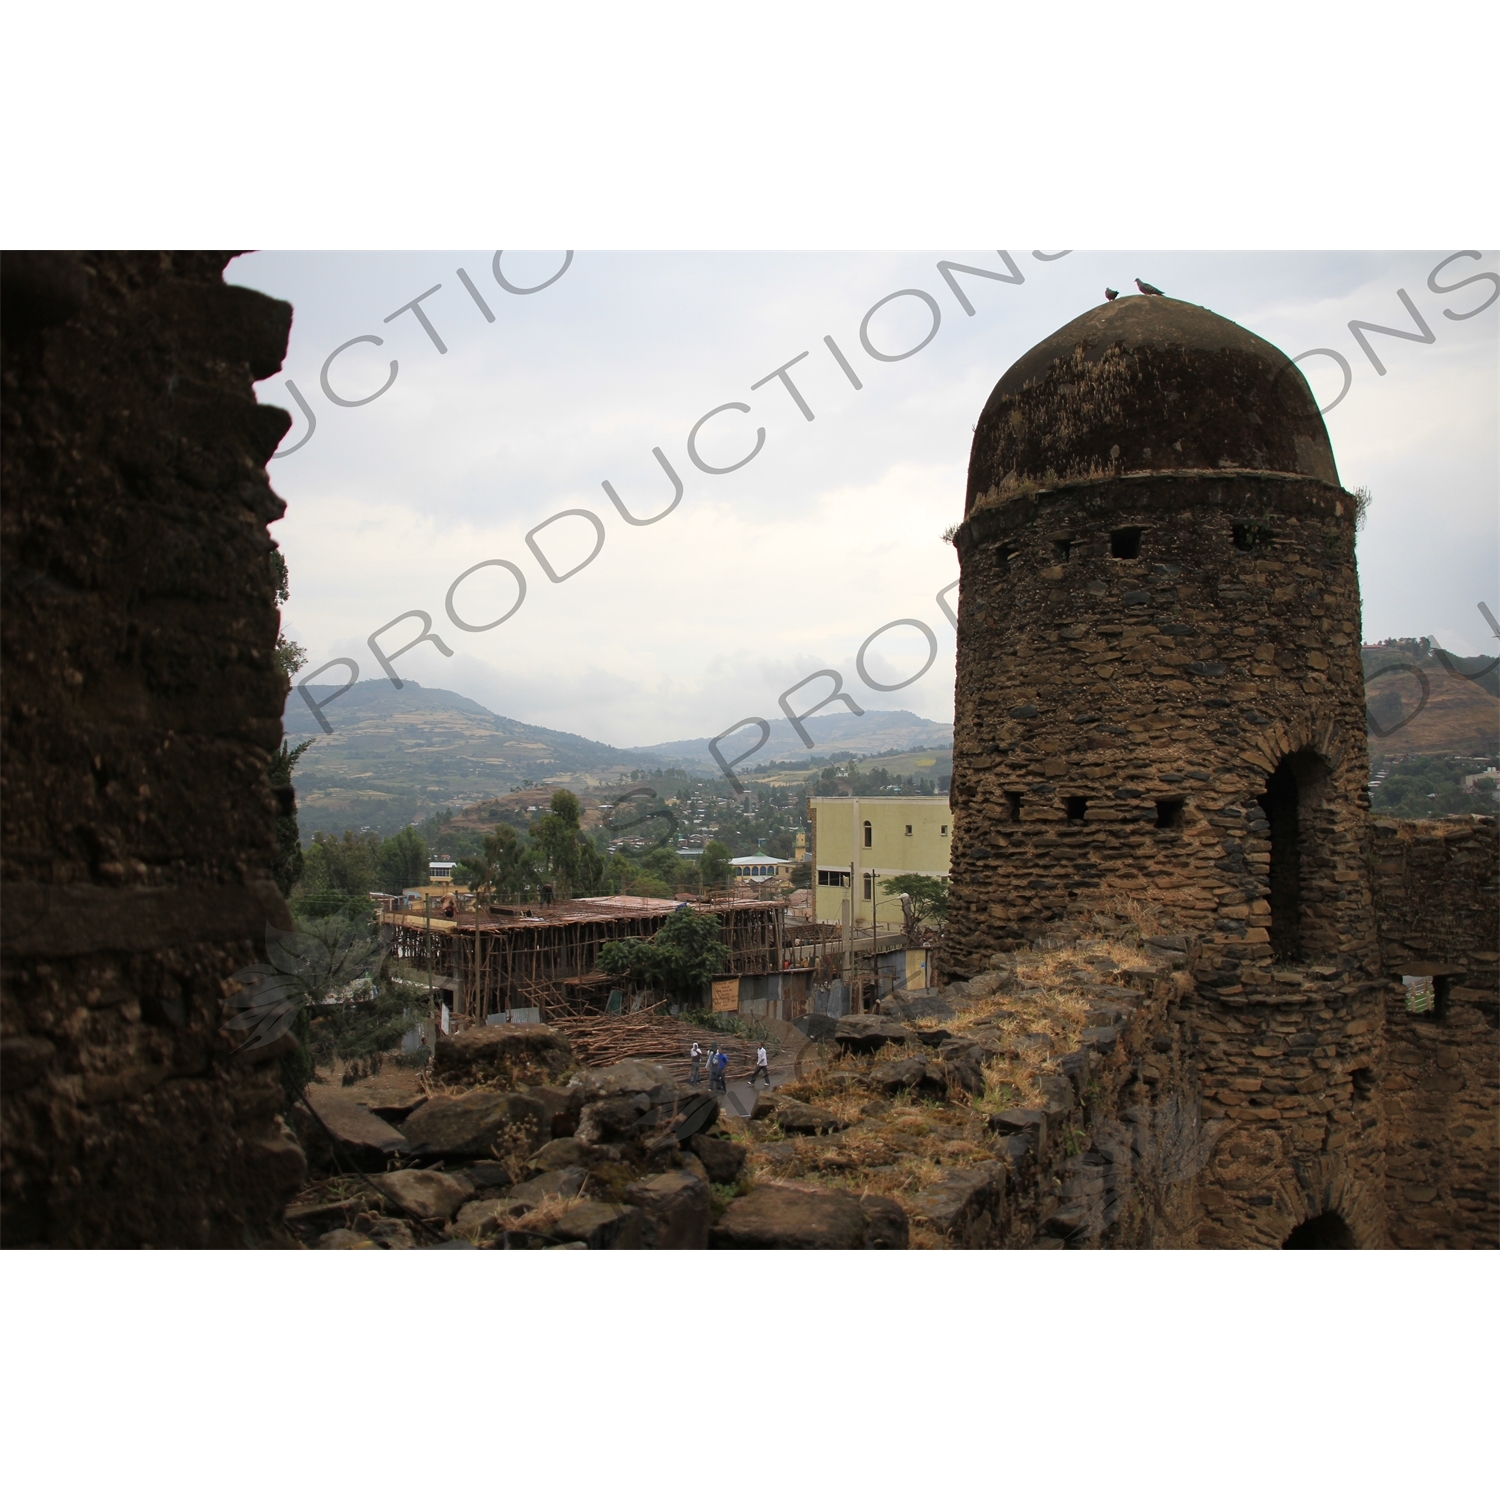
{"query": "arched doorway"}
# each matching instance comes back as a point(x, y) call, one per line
point(1293, 793)
point(1327, 1231)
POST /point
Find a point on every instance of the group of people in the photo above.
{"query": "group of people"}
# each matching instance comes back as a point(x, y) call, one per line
point(718, 1067)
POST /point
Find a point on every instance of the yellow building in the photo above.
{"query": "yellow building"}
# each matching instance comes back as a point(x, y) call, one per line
point(861, 841)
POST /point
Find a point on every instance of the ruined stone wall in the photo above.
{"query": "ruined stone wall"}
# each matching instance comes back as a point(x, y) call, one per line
point(1438, 905)
point(1117, 720)
point(140, 706)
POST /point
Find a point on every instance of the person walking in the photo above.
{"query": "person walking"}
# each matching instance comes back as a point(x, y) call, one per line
point(696, 1058)
point(718, 1067)
point(761, 1066)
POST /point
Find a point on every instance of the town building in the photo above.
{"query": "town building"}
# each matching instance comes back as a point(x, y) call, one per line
point(859, 842)
point(762, 870)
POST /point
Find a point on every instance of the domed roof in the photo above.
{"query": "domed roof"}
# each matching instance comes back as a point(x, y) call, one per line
point(1145, 384)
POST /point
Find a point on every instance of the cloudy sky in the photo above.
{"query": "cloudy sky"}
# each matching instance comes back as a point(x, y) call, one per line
point(764, 575)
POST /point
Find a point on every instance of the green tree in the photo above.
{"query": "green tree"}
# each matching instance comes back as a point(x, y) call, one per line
point(506, 866)
point(286, 869)
point(568, 856)
point(337, 876)
point(402, 861)
point(713, 865)
point(665, 866)
point(686, 952)
point(928, 893)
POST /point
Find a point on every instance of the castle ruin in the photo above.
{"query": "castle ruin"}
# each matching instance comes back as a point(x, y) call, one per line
point(1160, 696)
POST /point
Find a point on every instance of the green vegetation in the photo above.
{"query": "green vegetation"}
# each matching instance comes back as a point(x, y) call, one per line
point(1430, 786)
point(680, 959)
point(928, 895)
point(506, 866)
point(713, 865)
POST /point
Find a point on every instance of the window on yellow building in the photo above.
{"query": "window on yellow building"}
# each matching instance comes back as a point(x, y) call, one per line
point(869, 835)
point(908, 830)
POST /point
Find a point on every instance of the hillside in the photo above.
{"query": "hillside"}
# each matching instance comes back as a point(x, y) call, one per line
point(396, 757)
point(1460, 717)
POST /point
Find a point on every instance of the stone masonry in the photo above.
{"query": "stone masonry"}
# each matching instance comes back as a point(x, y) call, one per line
point(1160, 696)
point(141, 704)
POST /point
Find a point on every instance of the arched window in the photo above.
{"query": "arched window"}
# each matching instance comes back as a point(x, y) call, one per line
point(869, 835)
point(1291, 801)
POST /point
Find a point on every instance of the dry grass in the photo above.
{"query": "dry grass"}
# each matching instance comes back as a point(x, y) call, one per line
point(896, 1146)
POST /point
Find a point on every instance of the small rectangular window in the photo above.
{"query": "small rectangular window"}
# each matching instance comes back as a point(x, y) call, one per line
point(1077, 806)
point(908, 830)
point(869, 886)
point(1063, 546)
point(1252, 536)
point(1126, 542)
point(1169, 812)
point(945, 830)
point(869, 836)
point(1005, 555)
point(1013, 801)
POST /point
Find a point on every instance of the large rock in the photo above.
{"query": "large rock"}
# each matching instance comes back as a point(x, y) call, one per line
point(561, 1103)
point(963, 1205)
point(340, 1135)
point(723, 1160)
point(869, 1033)
point(677, 1205)
point(904, 1073)
point(476, 1123)
point(640, 1101)
point(345, 1239)
point(567, 1182)
point(567, 1152)
point(427, 1195)
point(792, 1114)
point(604, 1226)
point(481, 1220)
point(505, 1057)
point(961, 1070)
point(787, 1216)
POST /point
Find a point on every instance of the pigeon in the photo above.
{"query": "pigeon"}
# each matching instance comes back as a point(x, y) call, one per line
point(1110, 294)
point(1148, 289)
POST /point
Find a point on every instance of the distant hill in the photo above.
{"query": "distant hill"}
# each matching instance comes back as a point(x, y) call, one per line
point(1459, 718)
point(837, 732)
point(398, 756)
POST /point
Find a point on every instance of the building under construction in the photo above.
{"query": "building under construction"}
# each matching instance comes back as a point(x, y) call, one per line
point(546, 958)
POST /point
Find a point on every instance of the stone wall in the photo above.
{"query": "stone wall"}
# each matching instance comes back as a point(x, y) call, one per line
point(141, 704)
point(1118, 723)
point(1438, 906)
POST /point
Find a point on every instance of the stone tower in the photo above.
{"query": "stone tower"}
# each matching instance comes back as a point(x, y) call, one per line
point(1160, 697)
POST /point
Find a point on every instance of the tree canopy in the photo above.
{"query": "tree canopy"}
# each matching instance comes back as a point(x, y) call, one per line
point(682, 957)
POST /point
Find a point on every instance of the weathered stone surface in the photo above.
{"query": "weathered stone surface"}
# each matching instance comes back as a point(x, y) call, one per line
point(628, 1078)
point(723, 1160)
point(339, 1135)
point(558, 1155)
point(963, 1204)
point(487, 1176)
point(905, 1073)
point(677, 1205)
point(501, 1057)
point(140, 835)
point(786, 1216)
point(561, 1105)
point(427, 1195)
point(792, 1114)
point(564, 1183)
point(604, 1226)
point(868, 1033)
point(476, 1123)
point(481, 1219)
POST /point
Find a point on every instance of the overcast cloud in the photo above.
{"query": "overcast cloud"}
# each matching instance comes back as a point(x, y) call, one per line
point(767, 574)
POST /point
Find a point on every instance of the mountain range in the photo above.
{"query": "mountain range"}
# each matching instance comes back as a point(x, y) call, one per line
point(397, 756)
